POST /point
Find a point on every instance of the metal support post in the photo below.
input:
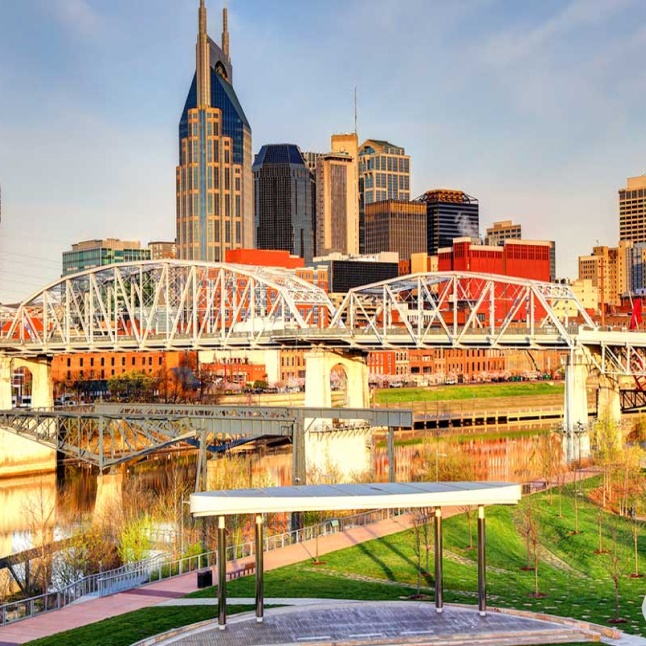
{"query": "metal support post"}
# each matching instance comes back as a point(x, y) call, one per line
point(391, 454)
point(482, 563)
point(439, 600)
point(260, 592)
point(222, 573)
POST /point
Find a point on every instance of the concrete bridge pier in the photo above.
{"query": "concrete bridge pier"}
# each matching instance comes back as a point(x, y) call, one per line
point(332, 448)
point(109, 497)
point(575, 415)
point(19, 456)
point(609, 399)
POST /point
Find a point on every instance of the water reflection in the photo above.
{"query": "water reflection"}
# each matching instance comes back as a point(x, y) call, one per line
point(509, 457)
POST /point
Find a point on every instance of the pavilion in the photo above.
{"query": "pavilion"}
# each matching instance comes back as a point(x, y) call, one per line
point(341, 497)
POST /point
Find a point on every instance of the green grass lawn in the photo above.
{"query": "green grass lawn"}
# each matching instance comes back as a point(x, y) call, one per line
point(575, 581)
point(124, 630)
point(479, 391)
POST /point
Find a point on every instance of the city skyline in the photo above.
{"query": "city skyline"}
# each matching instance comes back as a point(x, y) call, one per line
point(533, 108)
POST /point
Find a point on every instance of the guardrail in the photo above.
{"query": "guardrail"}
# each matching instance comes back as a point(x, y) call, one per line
point(162, 567)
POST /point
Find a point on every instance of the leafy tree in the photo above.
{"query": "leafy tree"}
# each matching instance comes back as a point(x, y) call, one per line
point(133, 541)
point(131, 386)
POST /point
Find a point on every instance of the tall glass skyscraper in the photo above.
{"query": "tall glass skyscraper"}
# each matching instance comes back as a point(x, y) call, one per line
point(449, 214)
point(213, 179)
point(283, 206)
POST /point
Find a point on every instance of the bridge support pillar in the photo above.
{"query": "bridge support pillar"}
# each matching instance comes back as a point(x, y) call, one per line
point(575, 414)
point(109, 495)
point(5, 382)
point(20, 456)
point(318, 370)
point(609, 399)
point(42, 384)
point(332, 449)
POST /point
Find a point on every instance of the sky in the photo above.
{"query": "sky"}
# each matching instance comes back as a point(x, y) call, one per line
point(535, 107)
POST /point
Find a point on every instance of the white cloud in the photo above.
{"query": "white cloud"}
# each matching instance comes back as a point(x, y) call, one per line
point(76, 15)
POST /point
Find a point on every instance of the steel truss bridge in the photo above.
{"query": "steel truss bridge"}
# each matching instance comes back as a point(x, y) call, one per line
point(180, 305)
point(188, 305)
point(110, 434)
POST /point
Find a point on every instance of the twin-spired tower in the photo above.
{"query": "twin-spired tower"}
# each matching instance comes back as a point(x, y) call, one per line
point(214, 179)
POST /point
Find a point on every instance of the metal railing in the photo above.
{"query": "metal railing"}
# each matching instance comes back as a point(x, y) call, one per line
point(162, 567)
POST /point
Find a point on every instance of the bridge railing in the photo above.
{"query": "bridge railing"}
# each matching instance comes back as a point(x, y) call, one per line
point(162, 567)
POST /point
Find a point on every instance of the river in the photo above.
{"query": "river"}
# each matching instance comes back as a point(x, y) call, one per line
point(56, 502)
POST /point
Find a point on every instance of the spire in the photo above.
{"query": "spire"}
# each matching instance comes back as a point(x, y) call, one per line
point(225, 32)
point(203, 68)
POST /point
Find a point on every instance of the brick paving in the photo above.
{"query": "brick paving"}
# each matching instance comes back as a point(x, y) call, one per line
point(379, 623)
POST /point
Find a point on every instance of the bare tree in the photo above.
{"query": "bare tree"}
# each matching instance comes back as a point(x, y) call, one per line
point(613, 565)
point(40, 514)
point(635, 527)
point(600, 517)
point(528, 526)
point(421, 544)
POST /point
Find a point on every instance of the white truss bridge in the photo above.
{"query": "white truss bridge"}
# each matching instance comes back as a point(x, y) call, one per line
point(180, 305)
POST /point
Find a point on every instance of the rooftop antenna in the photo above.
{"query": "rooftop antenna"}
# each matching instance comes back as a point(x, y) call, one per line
point(225, 30)
point(355, 109)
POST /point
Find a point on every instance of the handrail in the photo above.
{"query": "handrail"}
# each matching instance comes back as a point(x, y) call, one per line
point(161, 567)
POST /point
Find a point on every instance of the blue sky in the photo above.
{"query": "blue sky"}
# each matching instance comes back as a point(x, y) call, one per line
point(536, 107)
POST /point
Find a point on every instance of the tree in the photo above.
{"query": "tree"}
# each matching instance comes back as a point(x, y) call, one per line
point(635, 526)
point(613, 565)
point(528, 526)
point(600, 516)
point(421, 544)
point(131, 386)
point(133, 540)
point(606, 440)
point(40, 514)
point(468, 512)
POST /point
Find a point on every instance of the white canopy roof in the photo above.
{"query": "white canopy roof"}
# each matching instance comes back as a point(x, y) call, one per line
point(339, 497)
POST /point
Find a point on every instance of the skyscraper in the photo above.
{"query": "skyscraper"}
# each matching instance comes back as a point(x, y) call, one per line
point(632, 210)
point(450, 214)
point(283, 186)
point(335, 230)
point(213, 179)
point(396, 225)
point(384, 174)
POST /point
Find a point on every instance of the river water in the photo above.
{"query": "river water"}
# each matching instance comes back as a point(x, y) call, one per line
point(56, 502)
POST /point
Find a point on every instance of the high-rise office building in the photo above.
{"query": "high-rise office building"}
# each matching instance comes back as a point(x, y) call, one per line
point(396, 225)
point(610, 269)
point(384, 174)
point(214, 179)
point(337, 198)
point(96, 253)
point(501, 231)
point(160, 250)
point(450, 214)
point(283, 188)
point(632, 210)
point(310, 160)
